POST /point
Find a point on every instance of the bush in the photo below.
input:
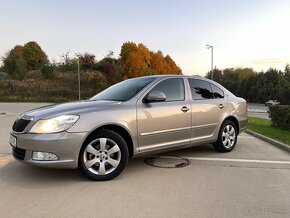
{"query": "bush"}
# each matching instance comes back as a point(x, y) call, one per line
point(280, 116)
point(48, 71)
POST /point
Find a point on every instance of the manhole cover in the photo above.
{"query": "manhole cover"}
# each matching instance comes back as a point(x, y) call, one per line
point(167, 161)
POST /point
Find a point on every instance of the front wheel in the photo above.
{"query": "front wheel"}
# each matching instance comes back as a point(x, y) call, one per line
point(227, 138)
point(103, 156)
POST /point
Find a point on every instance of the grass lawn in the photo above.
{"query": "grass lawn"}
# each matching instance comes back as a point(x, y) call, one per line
point(263, 126)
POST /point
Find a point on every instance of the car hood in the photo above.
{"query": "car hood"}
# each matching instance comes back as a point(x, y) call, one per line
point(77, 107)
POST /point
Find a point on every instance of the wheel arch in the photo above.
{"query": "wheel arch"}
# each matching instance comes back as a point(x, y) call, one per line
point(234, 120)
point(122, 131)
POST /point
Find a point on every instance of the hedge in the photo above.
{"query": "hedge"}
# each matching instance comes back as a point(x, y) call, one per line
point(280, 116)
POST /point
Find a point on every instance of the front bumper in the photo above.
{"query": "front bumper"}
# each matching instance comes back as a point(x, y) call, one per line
point(64, 144)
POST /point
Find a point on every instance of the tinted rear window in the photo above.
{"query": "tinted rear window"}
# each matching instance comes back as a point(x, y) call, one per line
point(217, 92)
point(200, 89)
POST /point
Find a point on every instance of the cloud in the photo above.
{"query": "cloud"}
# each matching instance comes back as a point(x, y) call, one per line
point(268, 61)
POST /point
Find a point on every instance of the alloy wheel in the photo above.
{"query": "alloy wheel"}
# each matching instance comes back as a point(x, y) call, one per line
point(102, 156)
point(229, 136)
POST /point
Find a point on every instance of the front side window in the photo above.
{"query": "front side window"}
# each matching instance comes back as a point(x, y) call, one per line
point(173, 89)
point(200, 89)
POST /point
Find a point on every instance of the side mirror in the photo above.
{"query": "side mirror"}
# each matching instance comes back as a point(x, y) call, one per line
point(154, 96)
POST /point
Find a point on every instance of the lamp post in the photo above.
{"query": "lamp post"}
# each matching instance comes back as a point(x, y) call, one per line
point(211, 47)
point(79, 78)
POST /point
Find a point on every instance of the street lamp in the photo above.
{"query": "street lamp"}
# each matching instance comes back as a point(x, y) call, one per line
point(79, 78)
point(211, 47)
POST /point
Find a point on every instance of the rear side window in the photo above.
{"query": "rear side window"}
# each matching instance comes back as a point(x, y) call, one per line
point(172, 88)
point(217, 92)
point(200, 89)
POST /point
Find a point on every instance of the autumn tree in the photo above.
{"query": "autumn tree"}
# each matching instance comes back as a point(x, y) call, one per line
point(158, 63)
point(34, 56)
point(171, 67)
point(138, 60)
point(14, 63)
point(126, 49)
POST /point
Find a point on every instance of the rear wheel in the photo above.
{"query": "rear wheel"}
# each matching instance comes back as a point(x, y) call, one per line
point(227, 138)
point(103, 156)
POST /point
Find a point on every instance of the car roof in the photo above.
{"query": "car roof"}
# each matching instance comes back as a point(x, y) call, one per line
point(175, 75)
point(181, 75)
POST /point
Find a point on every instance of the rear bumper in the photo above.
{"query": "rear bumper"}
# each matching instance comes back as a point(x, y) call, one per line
point(243, 125)
point(66, 146)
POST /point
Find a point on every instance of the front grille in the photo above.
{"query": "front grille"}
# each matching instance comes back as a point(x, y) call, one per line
point(20, 125)
point(19, 153)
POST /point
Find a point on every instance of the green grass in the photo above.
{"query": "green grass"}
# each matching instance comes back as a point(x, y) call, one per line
point(264, 127)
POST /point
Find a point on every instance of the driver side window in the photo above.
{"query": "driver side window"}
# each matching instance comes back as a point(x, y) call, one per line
point(173, 89)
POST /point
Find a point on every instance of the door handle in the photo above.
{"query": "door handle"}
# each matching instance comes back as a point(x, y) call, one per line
point(221, 106)
point(184, 109)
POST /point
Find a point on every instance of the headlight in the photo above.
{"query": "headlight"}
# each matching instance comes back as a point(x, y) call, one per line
point(53, 125)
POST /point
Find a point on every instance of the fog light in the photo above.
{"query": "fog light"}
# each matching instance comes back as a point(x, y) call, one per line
point(38, 155)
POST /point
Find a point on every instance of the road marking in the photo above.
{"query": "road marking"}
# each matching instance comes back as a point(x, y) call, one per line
point(5, 160)
point(233, 160)
point(238, 160)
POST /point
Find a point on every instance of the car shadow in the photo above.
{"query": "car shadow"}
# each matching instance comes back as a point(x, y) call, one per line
point(19, 174)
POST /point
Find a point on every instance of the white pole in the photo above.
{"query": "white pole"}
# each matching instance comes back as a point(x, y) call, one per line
point(79, 78)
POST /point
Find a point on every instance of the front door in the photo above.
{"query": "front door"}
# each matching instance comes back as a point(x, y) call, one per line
point(167, 123)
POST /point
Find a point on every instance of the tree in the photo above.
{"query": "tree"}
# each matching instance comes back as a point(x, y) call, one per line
point(158, 63)
point(65, 59)
point(34, 56)
point(145, 53)
point(87, 61)
point(287, 72)
point(112, 68)
point(171, 67)
point(135, 64)
point(126, 49)
point(14, 63)
point(138, 60)
point(217, 75)
point(48, 70)
point(244, 73)
point(231, 80)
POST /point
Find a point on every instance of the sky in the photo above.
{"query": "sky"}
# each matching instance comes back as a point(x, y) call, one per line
point(244, 33)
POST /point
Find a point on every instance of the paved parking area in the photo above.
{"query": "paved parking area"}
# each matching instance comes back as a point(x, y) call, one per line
point(258, 110)
point(251, 181)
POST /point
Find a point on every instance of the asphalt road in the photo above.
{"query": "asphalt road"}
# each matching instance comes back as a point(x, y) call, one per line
point(251, 181)
point(258, 110)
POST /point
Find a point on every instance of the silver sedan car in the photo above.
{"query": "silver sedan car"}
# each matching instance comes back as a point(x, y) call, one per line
point(134, 117)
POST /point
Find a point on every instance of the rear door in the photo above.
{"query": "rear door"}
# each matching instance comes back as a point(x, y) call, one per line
point(207, 108)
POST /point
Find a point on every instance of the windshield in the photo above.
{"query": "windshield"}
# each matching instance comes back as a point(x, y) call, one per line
point(123, 91)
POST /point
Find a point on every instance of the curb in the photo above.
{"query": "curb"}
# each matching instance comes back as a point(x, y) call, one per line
point(269, 140)
point(257, 111)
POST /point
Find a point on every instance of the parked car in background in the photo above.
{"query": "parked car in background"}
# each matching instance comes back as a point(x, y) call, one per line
point(132, 118)
point(272, 102)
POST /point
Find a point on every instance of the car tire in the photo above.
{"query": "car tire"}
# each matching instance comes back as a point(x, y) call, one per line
point(103, 156)
point(227, 137)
